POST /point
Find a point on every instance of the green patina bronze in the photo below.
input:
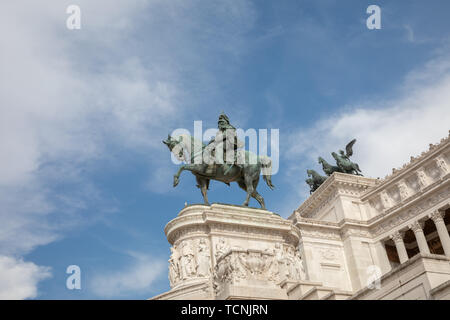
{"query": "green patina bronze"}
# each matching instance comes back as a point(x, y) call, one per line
point(343, 165)
point(246, 173)
point(328, 168)
point(315, 180)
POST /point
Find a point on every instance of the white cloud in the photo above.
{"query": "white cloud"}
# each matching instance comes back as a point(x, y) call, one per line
point(136, 278)
point(388, 132)
point(19, 279)
point(68, 96)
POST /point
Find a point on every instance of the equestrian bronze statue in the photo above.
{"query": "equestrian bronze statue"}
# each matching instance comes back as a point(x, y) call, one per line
point(221, 160)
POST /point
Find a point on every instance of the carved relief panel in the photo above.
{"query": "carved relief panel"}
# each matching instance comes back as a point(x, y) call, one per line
point(189, 259)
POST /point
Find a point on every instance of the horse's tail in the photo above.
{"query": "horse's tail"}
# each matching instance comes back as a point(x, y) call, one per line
point(266, 165)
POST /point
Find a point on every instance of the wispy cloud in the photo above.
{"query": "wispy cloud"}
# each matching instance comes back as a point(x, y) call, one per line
point(388, 131)
point(69, 97)
point(137, 277)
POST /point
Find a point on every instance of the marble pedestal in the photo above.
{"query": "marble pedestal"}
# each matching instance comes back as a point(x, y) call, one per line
point(231, 252)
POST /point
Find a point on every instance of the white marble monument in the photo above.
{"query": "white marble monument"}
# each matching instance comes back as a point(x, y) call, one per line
point(353, 238)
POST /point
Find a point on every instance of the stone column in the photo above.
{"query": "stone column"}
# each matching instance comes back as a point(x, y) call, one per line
point(400, 245)
point(438, 219)
point(383, 259)
point(417, 228)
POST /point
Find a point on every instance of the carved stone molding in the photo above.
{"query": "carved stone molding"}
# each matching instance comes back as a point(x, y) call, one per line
point(386, 200)
point(356, 232)
point(208, 241)
point(403, 190)
point(422, 178)
point(190, 259)
point(242, 267)
point(397, 236)
point(338, 184)
point(387, 223)
point(442, 165)
point(416, 226)
point(437, 216)
point(320, 233)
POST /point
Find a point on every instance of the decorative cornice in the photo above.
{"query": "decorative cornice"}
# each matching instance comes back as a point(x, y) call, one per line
point(413, 208)
point(437, 216)
point(414, 164)
point(397, 236)
point(336, 184)
point(416, 226)
point(230, 219)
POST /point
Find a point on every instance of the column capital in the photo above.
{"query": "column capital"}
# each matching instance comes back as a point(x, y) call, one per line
point(437, 216)
point(397, 236)
point(416, 226)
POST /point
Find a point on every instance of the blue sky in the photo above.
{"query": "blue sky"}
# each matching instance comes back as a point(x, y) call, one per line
point(84, 177)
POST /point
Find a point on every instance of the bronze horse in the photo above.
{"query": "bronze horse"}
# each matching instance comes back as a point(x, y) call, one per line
point(246, 175)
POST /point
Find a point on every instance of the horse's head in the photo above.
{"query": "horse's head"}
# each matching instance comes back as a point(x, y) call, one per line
point(309, 172)
point(175, 146)
point(335, 156)
point(321, 160)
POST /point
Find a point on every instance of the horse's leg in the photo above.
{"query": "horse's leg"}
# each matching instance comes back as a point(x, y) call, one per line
point(358, 171)
point(256, 195)
point(250, 175)
point(245, 186)
point(242, 184)
point(203, 185)
point(176, 177)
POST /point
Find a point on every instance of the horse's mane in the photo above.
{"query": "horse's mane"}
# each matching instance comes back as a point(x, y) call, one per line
point(191, 142)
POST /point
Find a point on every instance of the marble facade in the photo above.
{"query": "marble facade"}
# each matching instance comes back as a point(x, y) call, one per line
point(353, 238)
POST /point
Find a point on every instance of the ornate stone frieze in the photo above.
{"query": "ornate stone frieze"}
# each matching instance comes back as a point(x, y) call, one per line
point(320, 233)
point(442, 165)
point(190, 259)
point(404, 190)
point(422, 178)
point(243, 267)
point(388, 223)
point(386, 200)
point(421, 174)
point(208, 241)
point(355, 232)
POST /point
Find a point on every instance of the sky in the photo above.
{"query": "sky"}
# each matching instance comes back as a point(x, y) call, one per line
point(84, 177)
